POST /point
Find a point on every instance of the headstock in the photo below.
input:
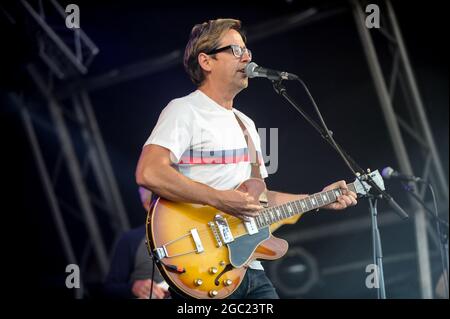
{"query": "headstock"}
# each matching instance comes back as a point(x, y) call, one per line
point(362, 187)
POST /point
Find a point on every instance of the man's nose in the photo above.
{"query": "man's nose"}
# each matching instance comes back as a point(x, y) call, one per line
point(246, 57)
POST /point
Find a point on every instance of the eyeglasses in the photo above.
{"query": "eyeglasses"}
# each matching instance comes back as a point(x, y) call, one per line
point(237, 51)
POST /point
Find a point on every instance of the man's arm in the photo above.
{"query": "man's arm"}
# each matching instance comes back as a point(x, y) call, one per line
point(155, 172)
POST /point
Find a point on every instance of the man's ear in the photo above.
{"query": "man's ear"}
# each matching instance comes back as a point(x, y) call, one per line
point(204, 61)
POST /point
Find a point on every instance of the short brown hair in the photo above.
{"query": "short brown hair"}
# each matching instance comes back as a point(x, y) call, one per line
point(205, 37)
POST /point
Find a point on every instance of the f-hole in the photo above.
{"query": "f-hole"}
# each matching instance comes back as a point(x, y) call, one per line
point(227, 268)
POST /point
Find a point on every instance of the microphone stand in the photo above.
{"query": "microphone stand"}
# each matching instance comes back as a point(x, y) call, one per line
point(358, 172)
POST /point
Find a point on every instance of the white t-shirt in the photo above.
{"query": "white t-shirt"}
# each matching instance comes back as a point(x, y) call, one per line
point(206, 142)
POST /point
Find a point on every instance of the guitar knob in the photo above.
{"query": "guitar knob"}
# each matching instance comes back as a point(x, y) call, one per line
point(213, 270)
point(222, 263)
point(198, 282)
point(213, 293)
point(227, 282)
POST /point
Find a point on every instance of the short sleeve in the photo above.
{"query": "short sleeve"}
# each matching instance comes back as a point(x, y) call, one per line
point(173, 129)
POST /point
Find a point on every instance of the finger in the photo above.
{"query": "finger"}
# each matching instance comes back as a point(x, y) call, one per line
point(158, 293)
point(342, 203)
point(250, 213)
point(246, 215)
point(253, 207)
point(145, 292)
point(347, 200)
point(146, 288)
point(144, 295)
point(352, 194)
point(342, 184)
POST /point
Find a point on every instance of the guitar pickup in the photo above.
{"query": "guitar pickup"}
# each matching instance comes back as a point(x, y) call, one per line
point(224, 229)
point(250, 225)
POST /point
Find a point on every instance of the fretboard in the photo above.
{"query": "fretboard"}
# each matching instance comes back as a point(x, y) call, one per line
point(275, 214)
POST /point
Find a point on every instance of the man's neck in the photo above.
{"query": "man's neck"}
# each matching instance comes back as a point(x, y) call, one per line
point(222, 97)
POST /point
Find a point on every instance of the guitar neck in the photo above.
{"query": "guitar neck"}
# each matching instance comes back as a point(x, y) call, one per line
point(277, 213)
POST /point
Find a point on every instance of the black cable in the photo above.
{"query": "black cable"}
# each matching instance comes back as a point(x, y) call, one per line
point(153, 277)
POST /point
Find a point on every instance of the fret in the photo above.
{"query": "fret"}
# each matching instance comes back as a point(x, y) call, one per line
point(266, 217)
point(337, 192)
point(286, 210)
point(331, 196)
point(319, 199)
point(269, 215)
point(274, 215)
point(258, 224)
point(283, 212)
point(325, 198)
point(260, 219)
point(297, 206)
point(308, 204)
point(290, 210)
point(313, 201)
point(304, 206)
point(277, 214)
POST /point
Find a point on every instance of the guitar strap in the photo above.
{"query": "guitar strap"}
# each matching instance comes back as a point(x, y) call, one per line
point(254, 160)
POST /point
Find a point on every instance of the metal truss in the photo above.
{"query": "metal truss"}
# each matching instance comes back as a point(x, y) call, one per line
point(417, 128)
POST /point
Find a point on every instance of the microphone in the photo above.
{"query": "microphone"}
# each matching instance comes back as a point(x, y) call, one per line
point(254, 71)
point(389, 172)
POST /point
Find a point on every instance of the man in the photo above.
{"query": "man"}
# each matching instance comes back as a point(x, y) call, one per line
point(197, 152)
point(130, 272)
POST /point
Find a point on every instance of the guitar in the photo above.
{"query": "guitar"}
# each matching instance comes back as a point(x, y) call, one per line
point(203, 253)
